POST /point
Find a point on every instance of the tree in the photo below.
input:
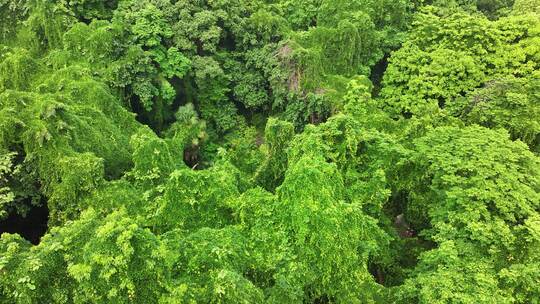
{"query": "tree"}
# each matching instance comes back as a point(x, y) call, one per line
point(6, 194)
point(474, 193)
point(504, 103)
point(13, 12)
point(446, 57)
point(240, 151)
point(98, 259)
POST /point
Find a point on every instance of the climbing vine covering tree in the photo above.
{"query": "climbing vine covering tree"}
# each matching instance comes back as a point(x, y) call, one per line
point(277, 151)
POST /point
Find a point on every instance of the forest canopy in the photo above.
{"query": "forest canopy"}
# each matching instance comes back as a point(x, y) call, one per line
point(270, 151)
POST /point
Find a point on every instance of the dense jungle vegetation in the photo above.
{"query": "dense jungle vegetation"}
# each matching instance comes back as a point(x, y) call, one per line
point(270, 151)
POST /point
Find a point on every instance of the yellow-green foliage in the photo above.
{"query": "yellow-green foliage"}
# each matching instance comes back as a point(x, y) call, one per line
point(447, 57)
point(246, 151)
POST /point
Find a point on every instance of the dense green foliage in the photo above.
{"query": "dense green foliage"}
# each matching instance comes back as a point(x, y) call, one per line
point(270, 151)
